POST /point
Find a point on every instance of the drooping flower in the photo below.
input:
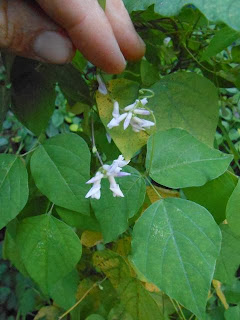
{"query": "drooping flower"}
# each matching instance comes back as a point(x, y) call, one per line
point(130, 116)
point(110, 172)
point(101, 85)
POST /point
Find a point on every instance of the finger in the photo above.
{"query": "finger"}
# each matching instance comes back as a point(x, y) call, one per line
point(27, 31)
point(90, 31)
point(131, 45)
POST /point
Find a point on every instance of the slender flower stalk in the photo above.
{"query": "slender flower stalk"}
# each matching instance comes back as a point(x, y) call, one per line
point(110, 172)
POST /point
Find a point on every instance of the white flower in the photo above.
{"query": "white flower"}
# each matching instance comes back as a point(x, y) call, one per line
point(166, 41)
point(110, 172)
point(95, 192)
point(130, 116)
point(101, 85)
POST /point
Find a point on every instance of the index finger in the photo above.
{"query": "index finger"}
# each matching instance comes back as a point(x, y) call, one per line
point(89, 30)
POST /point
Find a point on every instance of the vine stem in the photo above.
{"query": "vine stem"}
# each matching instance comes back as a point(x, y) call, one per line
point(181, 315)
point(181, 312)
point(196, 60)
point(160, 197)
point(30, 151)
point(83, 297)
point(230, 144)
point(94, 143)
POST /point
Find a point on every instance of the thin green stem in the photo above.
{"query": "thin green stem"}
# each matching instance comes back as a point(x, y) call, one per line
point(149, 181)
point(94, 148)
point(83, 297)
point(30, 151)
point(151, 156)
point(180, 308)
point(196, 60)
point(230, 144)
point(176, 309)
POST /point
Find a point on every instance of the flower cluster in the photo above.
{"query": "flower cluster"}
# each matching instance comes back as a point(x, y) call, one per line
point(110, 172)
point(130, 116)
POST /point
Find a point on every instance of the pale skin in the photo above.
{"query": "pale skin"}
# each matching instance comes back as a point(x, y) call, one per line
point(51, 31)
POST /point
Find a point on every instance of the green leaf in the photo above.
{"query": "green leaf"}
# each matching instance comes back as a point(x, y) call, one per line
point(102, 4)
point(233, 210)
point(13, 187)
point(137, 301)
point(232, 292)
point(222, 10)
point(125, 92)
point(10, 249)
point(64, 291)
point(33, 95)
point(119, 313)
point(236, 54)
point(49, 249)
point(228, 261)
point(188, 101)
point(95, 317)
point(149, 73)
point(113, 213)
point(233, 313)
point(60, 168)
point(70, 81)
point(221, 40)
point(177, 160)
point(175, 246)
point(79, 61)
point(214, 195)
point(78, 220)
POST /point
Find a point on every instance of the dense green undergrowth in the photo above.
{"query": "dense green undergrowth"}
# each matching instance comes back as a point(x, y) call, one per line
point(168, 249)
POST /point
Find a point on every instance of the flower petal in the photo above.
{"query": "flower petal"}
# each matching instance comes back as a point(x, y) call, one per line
point(94, 190)
point(113, 123)
point(122, 117)
point(143, 112)
point(131, 106)
point(101, 85)
point(123, 174)
point(97, 178)
point(144, 101)
point(147, 124)
point(115, 112)
point(127, 120)
point(117, 192)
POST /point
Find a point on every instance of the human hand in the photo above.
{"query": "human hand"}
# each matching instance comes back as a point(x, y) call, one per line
point(51, 33)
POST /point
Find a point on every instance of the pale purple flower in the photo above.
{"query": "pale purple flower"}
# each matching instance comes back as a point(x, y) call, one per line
point(101, 85)
point(132, 110)
point(114, 187)
point(127, 120)
point(95, 192)
point(110, 172)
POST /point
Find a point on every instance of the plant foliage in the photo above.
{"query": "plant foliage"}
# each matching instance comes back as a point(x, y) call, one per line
point(119, 194)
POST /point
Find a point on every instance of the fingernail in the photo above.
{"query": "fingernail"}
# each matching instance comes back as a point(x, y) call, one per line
point(53, 47)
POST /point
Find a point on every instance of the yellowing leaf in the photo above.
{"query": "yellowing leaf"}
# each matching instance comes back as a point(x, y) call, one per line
point(123, 246)
point(48, 313)
point(164, 193)
point(125, 92)
point(90, 238)
point(151, 287)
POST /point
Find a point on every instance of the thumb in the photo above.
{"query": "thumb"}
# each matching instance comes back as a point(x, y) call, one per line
point(27, 31)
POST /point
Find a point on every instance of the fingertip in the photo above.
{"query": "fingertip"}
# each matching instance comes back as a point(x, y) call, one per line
point(130, 43)
point(139, 49)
